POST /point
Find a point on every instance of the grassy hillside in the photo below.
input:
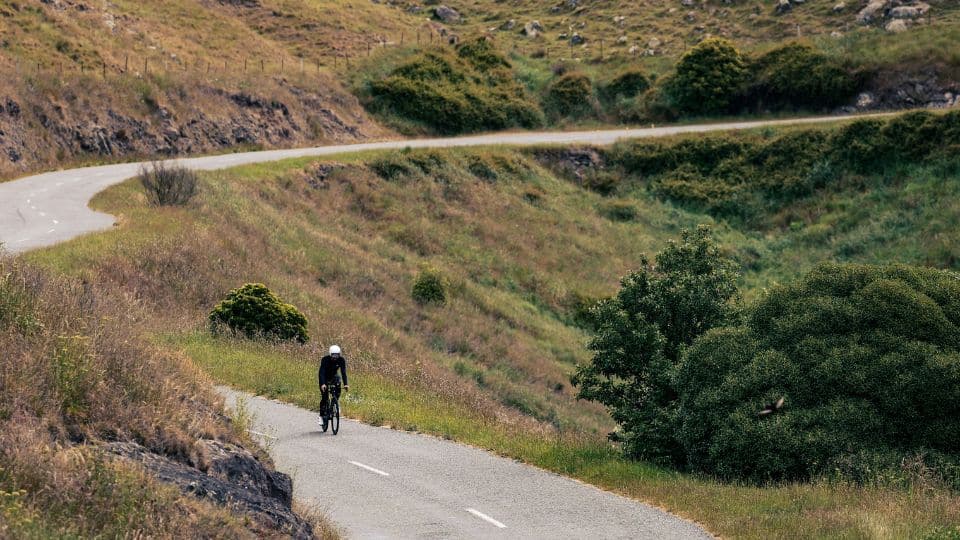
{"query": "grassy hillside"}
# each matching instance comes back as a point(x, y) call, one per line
point(523, 248)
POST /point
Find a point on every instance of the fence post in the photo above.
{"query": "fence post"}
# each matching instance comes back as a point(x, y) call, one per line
point(144, 66)
point(244, 65)
point(418, 37)
point(601, 50)
point(104, 70)
point(263, 68)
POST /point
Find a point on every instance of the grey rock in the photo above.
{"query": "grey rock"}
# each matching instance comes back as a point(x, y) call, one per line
point(577, 39)
point(233, 478)
point(446, 14)
point(783, 6)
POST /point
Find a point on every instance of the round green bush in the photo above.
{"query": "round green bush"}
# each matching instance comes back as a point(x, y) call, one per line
point(254, 311)
point(429, 288)
point(865, 358)
point(569, 96)
point(709, 77)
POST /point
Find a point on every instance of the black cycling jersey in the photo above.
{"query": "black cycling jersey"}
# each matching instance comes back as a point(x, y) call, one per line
point(329, 367)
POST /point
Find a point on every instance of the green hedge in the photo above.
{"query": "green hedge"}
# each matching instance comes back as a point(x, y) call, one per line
point(867, 361)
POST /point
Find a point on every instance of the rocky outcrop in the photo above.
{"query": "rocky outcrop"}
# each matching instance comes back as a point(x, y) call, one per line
point(229, 476)
point(36, 131)
point(923, 89)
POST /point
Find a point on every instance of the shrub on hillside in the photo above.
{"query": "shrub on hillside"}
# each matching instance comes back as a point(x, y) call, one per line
point(429, 288)
point(708, 78)
point(640, 333)
point(168, 184)
point(797, 76)
point(254, 311)
point(569, 96)
point(472, 89)
point(628, 84)
point(866, 360)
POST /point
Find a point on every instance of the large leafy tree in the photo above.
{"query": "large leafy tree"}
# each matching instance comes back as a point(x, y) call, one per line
point(641, 332)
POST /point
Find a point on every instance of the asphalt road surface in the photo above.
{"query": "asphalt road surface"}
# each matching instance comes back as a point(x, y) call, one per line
point(48, 208)
point(380, 483)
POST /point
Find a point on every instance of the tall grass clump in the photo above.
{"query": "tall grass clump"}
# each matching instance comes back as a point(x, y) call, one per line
point(168, 184)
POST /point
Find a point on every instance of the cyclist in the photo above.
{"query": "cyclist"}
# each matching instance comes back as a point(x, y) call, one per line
point(327, 376)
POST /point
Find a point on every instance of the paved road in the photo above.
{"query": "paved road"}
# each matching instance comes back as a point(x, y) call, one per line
point(380, 483)
point(48, 208)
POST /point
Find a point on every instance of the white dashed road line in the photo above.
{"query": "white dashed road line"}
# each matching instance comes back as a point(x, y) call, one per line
point(369, 468)
point(486, 518)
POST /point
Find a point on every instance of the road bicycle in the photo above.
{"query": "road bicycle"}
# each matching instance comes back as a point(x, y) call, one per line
point(331, 420)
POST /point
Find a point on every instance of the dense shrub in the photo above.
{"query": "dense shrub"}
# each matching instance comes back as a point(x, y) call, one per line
point(429, 288)
point(708, 78)
point(640, 333)
point(628, 84)
point(254, 311)
point(569, 96)
point(797, 76)
point(859, 145)
point(449, 92)
point(167, 184)
point(866, 359)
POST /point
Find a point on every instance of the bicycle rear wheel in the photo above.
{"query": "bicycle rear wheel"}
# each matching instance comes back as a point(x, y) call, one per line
point(335, 417)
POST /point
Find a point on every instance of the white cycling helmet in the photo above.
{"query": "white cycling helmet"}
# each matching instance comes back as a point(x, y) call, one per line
point(334, 349)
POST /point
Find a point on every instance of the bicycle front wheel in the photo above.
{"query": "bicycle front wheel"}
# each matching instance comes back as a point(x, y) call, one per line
point(335, 418)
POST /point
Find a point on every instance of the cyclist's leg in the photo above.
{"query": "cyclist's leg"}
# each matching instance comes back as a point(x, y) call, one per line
point(324, 401)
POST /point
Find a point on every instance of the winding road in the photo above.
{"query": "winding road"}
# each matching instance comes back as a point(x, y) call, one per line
point(45, 209)
point(375, 482)
point(381, 483)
